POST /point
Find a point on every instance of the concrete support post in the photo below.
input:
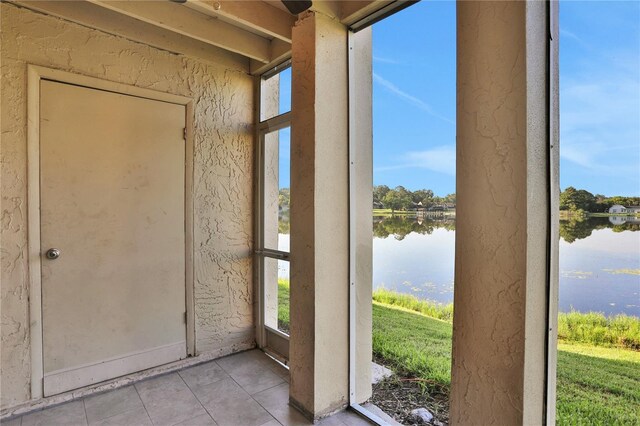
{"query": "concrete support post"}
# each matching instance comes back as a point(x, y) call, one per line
point(361, 129)
point(503, 228)
point(319, 344)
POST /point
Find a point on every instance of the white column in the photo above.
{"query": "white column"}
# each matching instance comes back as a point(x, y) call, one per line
point(319, 356)
point(503, 228)
point(361, 141)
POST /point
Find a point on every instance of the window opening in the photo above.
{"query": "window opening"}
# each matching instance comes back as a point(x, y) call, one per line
point(273, 214)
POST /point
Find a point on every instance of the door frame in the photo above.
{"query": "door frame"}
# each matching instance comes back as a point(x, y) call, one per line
point(34, 75)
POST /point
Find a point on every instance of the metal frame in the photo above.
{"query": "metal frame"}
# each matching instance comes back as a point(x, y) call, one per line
point(271, 340)
point(381, 14)
point(352, 81)
point(552, 223)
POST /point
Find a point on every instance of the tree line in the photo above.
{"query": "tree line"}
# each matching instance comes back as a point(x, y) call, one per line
point(576, 200)
point(400, 198)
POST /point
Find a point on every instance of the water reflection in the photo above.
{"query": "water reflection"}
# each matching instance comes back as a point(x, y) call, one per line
point(599, 261)
point(415, 255)
point(578, 228)
point(400, 226)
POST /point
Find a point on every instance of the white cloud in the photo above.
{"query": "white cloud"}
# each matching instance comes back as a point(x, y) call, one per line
point(384, 60)
point(409, 98)
point(600, 110)
point(440, 159)
point(600, 126)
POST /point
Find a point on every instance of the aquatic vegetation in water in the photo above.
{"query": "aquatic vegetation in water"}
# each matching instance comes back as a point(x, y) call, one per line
point(625, 271)
point(581, 275)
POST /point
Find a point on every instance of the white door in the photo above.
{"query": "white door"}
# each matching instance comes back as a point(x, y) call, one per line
point(112, 182)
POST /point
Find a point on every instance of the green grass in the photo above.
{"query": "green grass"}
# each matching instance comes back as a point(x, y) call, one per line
point(597, 385)
point(388, 212)
point(600, 352)
point(283, 305)
point(596, 390)
point(407, 301)
point(611, 214)
point(596, 329)
point(593, 328)
point(413, 344)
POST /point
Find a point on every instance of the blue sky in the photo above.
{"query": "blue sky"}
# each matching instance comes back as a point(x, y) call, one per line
point(414, 97)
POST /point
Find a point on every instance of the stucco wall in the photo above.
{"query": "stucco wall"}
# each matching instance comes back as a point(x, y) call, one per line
point(502, 284)
point(223, 160)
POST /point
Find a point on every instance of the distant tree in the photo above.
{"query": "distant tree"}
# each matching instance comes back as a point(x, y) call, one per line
point(397, 199)
point(451, 198)
point(573, 199)
point(379, 192)
point(284, 196)
point(623, 201)
point(424, 196)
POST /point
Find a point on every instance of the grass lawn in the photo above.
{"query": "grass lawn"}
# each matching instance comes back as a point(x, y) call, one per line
point(283, 305)
point(388, 212)
point(597, 390)
point(596, 385)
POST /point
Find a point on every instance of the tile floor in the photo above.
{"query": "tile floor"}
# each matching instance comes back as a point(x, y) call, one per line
point(245, 389)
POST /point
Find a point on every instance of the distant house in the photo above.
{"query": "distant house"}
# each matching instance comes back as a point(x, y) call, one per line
point(633, 209)
point(416, 206)
point(378, 205)
point(618, 220)
point(617, 208)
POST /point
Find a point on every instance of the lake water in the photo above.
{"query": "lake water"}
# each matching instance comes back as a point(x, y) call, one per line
point(599, 262)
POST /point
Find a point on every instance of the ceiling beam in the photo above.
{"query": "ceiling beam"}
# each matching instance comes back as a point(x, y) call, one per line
point(280, 52)
point(92, 16)
point(355, 10)
point(188, 22)
point(255, 16)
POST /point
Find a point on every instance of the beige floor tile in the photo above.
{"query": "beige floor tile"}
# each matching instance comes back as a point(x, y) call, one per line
point(254, 359)
point(69, 414)
point(272, 423)
point(280, 371)
point(13, 422)
point(110, 403)
point(135, 417)
point(203, 374)
point(254, 381)
point(222, 393)
point(276, 402)
point(237, 412)
point(168, 400)
point(350, 418)
point(204, 420)
point(251, 370)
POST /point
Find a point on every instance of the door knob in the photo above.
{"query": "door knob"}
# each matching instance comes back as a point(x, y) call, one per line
point(53, 253)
